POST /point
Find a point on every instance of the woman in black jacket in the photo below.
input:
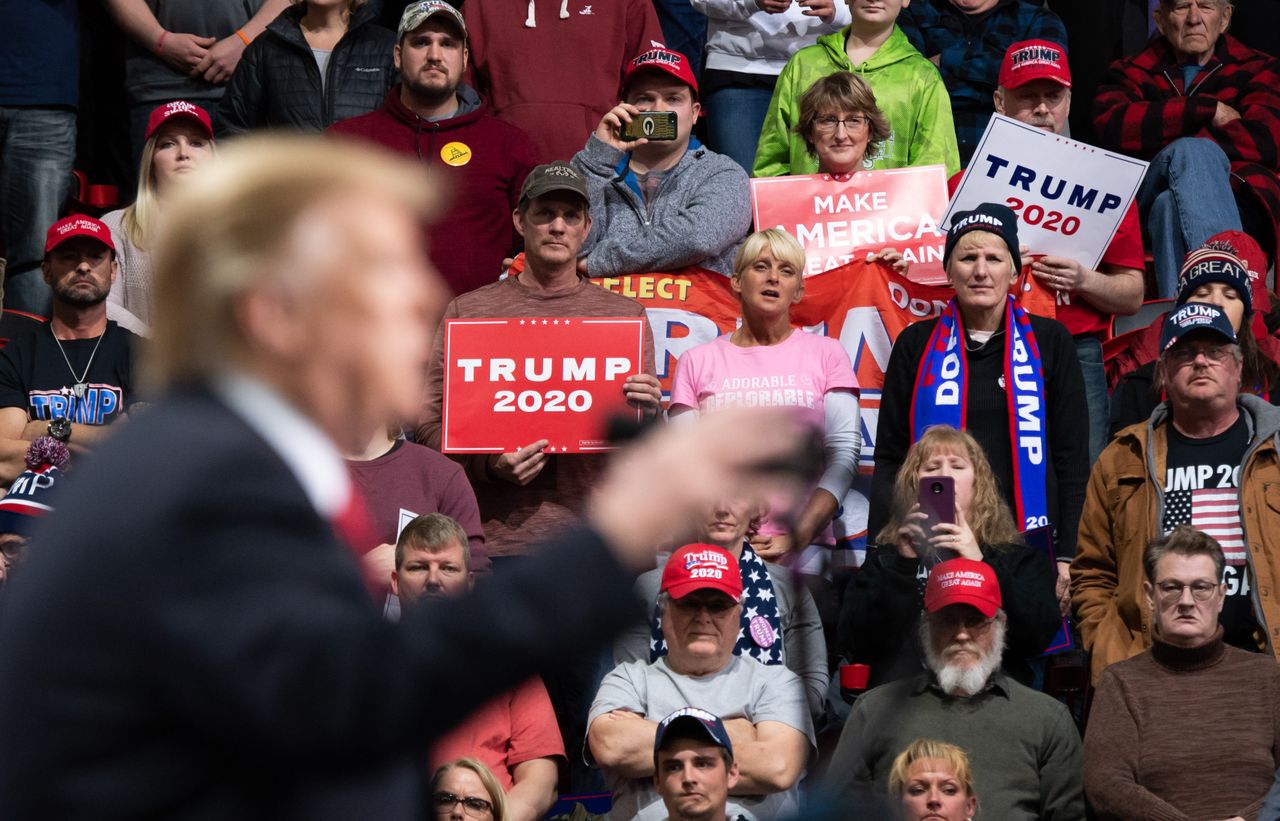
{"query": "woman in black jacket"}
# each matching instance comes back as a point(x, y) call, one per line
point(1011, 379)
point(319, 62)
point(881, 611)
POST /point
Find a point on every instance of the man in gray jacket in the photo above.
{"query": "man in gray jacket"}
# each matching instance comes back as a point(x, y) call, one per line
point(659, 205)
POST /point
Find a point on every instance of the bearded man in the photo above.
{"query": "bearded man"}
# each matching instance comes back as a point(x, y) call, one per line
point(1023, 746)
point(72, 377)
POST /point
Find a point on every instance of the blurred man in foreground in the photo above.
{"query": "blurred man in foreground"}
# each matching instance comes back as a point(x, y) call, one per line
point(222, 659)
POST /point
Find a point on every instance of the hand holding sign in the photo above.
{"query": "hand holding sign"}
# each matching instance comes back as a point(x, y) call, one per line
point(643, 392)
point(522, 466)
point(1069, 197)
point(1060, 274)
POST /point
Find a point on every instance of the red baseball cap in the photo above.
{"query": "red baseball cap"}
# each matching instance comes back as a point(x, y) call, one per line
point(963, 581)
point(702, 567)
point(181, 109)
point(1034, 60)
point(662, 59)
point(1247, 250)
point(77, 225)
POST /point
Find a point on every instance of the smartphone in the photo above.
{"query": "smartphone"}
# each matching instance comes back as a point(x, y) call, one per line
point(937, 499)
point(650, 125)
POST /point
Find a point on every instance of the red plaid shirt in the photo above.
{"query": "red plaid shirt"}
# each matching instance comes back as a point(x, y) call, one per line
point(1142, 106)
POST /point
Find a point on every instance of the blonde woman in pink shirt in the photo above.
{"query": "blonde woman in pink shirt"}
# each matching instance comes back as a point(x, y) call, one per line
point(769, 362)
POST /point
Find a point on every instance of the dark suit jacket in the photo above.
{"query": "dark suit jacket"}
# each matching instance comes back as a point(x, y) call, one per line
point(189, 640)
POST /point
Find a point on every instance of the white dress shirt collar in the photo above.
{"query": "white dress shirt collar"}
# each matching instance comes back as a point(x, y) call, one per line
point(308, 453)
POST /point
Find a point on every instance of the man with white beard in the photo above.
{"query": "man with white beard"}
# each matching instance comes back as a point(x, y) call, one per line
point(1023, 746)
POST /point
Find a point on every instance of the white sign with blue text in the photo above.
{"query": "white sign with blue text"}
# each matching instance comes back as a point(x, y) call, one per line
point(1069, 197)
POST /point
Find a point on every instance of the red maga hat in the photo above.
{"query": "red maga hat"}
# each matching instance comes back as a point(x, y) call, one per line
point(77, 225)
point(702, 567)
point(180, 109)
point(963, 581)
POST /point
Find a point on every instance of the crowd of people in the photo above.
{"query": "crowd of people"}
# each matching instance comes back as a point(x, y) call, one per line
point(326, 613)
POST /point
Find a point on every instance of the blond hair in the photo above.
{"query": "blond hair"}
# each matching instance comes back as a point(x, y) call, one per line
point(482, 771)
point(225, 231)
point(139, 217)
point(927, 748)
point(988, 515)
point(783, 247)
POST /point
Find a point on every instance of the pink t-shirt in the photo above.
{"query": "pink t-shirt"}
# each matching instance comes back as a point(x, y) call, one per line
point(796, 372)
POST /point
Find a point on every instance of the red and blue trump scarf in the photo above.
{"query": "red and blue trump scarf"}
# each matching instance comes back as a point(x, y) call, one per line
point(942, 398)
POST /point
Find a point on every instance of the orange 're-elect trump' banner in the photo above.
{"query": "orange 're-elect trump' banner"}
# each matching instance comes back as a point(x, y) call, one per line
point(864, 305)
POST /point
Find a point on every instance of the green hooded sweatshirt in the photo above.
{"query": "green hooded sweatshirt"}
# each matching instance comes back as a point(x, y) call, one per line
point(908, 89)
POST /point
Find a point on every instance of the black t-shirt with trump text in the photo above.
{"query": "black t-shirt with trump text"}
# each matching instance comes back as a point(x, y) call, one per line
point(1202, 489)
point(34, 376)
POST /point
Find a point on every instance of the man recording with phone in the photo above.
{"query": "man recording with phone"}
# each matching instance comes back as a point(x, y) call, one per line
point(660, 200)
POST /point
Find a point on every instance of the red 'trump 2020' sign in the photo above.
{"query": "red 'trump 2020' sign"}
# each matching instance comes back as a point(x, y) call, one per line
point(510, 382)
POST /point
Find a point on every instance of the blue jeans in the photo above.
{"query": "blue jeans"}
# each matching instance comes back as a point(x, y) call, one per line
point(734, 119)
point(684, 28)
point(37, 153)
point(1185, 199)
point(1089, 350)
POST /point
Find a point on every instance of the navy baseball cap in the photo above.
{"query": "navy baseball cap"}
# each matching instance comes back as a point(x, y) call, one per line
point(695, 723)
point(1194, 316)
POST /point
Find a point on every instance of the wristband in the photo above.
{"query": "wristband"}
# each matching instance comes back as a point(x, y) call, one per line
point(160, 42)
point(240, 34)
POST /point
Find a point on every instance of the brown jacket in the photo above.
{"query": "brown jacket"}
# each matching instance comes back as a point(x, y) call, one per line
point(1122, 510)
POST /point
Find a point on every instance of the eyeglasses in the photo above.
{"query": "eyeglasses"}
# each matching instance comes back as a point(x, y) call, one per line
point(827, 125)
point(974, 623)
point(474, 807)
point(1184, 356)
point(1171, 592)
point(716, 606)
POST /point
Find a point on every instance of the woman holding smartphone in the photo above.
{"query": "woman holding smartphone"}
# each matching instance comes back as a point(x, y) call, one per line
point(884, 600)
point(1011, 379)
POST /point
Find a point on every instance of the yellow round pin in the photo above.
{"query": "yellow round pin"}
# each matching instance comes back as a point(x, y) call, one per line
point(456, 153)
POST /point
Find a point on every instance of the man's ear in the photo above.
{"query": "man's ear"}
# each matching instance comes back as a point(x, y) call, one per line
point(395, 582)
point(997, 99)
point(1150, 593)
point(518, 221)
point(44, 272)
point(733, 775)
point(1157, 14)
point(395, 56)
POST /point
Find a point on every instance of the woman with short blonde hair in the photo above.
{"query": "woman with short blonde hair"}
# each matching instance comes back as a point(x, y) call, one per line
point(455, 789)
point(767, 361)
point(933, 780)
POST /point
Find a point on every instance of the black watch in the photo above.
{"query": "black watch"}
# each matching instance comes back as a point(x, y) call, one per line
point(60, 429)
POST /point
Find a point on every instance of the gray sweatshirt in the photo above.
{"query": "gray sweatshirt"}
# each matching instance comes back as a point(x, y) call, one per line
point(699, 215)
